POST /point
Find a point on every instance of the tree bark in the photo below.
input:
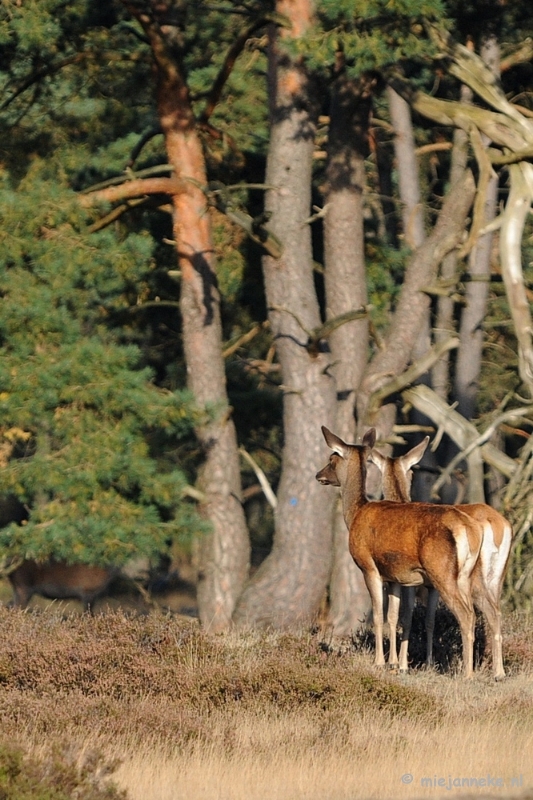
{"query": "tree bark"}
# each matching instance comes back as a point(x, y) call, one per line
point(225, 551)
point(445, 325)
point(471, 334)
point(413, 302)
point(345, 283)
point(288, 588)
point(414, 234)
point(407, 168)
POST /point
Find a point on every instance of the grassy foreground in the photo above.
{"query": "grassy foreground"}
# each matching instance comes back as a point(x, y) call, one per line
point(247, 716)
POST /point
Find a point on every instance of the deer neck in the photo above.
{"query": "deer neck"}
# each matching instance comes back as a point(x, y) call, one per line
point(353, 490)
point(395, 484)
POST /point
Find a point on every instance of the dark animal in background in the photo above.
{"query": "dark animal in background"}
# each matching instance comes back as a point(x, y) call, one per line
point(57, 580)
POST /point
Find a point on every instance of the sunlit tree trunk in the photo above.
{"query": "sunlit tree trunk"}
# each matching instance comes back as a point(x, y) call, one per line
point(345, 283)
point(224, 552)
point(289, 586)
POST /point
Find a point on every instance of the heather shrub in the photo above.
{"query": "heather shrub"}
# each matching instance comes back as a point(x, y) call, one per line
point(59, 775)
point(157, 691)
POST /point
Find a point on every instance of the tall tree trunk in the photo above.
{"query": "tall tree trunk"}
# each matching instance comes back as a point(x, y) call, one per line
point(288, 588)
point(445, 325)
point(345, 282)
point(471, 335)
point(225, 551)
point(407, 167)
point(476, 294)
point(414, 234)
point(413, 302)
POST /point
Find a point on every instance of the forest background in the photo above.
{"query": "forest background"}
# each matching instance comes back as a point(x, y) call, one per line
point(225, 225)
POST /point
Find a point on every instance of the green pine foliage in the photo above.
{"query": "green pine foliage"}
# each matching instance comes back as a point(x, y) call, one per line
point(372, 34)
point(78, 409)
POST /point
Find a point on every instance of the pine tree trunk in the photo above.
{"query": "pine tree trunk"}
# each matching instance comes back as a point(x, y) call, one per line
point(225, 551)
point(413, 302)
point(345, 282)
point(476, 294)
point(445, 324)
point(414, 235)
point(469, 357)
point(407, 168)
point(288, 588)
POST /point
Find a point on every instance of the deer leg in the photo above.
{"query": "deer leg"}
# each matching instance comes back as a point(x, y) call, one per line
point(431, 610)
point(460, 604)
point(21, 596)
point(408, 604)
point(491, 611)
point(393, 612)
point(374, 585)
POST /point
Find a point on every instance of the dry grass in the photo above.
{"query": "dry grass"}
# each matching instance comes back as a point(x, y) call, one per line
point(257, 716)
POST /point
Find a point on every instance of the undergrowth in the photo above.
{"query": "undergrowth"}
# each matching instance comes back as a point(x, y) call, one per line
point(58, 775)
point(155, 678)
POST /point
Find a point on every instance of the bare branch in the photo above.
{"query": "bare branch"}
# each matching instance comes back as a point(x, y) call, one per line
point(456, 426)
point(131, 189)
point(261, 477)
point(486, 173)
point(44, 72)
point(477, 443)
point(145, 138)
point(244, 339)
point(129, 175)
point(115, 214)
point(229, 62)
point(523, 53)
point(420, 367)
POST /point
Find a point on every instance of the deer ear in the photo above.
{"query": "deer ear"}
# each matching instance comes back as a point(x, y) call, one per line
point(378, 459)
point(369, 439)
point(415, 454)
point(335, 442)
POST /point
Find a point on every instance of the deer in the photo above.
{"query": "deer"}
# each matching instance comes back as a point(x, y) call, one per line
point(57, 580)
point(488, 574)
point(410, 544)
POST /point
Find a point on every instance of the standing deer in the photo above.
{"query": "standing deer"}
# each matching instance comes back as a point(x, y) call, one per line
point(410, 544)
point(57, 580)
point(488, 574)
point(396, 479)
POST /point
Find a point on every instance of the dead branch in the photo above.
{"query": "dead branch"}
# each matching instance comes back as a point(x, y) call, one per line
point(129, 175)
point(459, 429)
point(244, 339)
point(144, 139)
point(261, 477)
point(115, 214)
point(255, 227)
point(485, 174)
point(233, 53)
point(477, 443)
point(510, 130)
point(523, 53)
point(436, 147)
point(409, 376)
